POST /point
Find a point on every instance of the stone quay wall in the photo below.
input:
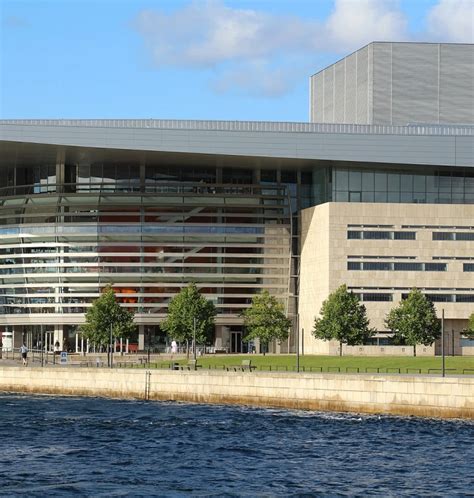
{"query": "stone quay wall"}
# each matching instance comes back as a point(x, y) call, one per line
point(426, 396)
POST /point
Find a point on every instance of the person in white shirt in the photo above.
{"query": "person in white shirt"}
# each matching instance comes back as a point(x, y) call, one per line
point(174, 347)
point(24, 354)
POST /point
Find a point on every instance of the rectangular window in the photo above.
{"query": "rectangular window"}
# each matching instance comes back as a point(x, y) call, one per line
point(354, 265)
point(404, 235)
point(377, 265)
point(468, 267)
point(443, 236)
point(342, 179)
point(436, 267)
point(440, 298)
point(354, 234)
point(464, 298)
point(464, 236)
point(408, 267)
point(377, 235)
point(355, 196)
point(377, 297)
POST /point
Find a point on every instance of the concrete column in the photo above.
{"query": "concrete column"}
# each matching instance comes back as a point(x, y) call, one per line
point(256, 344)
point(58, 334)
point(141, 337)
point(60, 161)
point(17, 336)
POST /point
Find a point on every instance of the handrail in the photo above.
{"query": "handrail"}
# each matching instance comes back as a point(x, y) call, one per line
point(149, 189)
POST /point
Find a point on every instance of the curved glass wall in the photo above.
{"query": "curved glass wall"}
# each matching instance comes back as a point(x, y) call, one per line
point(146, 230)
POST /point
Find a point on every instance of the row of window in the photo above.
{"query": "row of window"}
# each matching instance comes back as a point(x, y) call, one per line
point(380, 235)
point(366, 296)
point(439, 227)
point(453, 235)
point(395, 235)
point(435, 298)
point(389, 266)
point(448, 298)
point(432, 187)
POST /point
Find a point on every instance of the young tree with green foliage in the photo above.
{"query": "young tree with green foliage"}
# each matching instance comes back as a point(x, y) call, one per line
point(106, 314)
point(343, 319)
point(469, 331)
point(266, 320)
point(186, 306)
point(414, 321)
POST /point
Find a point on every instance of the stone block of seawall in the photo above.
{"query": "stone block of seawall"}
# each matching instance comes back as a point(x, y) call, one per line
point(416, 395)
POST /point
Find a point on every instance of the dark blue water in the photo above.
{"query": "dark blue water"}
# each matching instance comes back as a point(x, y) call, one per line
point(97, 447)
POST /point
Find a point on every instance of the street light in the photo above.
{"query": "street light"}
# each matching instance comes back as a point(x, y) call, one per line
point(298, 343)
point(110, 346)
point(42, 344)
point(194, 339)
point(148, 352)
point(442, 343)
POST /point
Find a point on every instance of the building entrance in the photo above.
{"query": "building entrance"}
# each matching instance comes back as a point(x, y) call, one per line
point(236, 341)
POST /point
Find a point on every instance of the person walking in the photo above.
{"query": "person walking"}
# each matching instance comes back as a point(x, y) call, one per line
point(24, 354)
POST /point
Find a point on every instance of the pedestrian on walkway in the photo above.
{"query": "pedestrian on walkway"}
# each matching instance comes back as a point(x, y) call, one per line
point(24, 354)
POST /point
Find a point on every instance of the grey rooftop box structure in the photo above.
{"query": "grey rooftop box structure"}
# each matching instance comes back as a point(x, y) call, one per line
point(397, 84)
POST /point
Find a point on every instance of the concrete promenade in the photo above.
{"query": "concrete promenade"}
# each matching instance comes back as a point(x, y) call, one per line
point(427, 396)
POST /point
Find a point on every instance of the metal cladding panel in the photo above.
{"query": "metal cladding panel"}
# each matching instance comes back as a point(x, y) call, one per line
point(328, 89)
point(351, 89)
point(414, 83)
point(465, 152)
point(370, 83)
point(382, 83)
point(362, 85)
point(403, 83)
point(456, 88)
point(403, 148)
point(339, 85)
point(317, 104)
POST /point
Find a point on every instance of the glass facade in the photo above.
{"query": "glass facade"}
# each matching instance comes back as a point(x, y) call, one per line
point(147, 227)
point(389, 185)
point(73, 220)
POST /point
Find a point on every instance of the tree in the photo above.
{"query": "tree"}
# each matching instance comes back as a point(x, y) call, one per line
point(266, 319)
point(104, 314)
point(469, 331)
point(187, 310)
point(414, 321)
point(343, 319)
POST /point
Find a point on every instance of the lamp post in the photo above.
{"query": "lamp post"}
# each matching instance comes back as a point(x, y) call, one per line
point(298, 343)
point(148, 350)
point(442, 344)
point(194, 338)
point(42, 344)
point(110, 346)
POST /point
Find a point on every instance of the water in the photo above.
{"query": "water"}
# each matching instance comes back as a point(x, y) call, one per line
point(60, 446)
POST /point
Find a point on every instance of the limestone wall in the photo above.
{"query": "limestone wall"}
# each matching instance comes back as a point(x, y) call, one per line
point(327, 250)
point(395, 394)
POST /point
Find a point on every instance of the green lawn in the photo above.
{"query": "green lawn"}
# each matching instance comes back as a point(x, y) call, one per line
point(392, 364)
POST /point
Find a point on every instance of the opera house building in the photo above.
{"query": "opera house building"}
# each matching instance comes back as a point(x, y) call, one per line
point(375, 192)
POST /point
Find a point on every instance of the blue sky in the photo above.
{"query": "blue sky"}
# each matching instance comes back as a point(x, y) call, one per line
point(217, 59)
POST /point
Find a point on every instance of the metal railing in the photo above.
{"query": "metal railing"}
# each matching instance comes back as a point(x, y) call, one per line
point(251, 126)
point(173, 364)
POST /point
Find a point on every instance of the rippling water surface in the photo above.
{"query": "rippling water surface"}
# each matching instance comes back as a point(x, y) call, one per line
point(98, 447)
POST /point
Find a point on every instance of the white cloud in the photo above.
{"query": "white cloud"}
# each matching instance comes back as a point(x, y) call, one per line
point(354, 23)
point(266, 54)
point(452, 20)
point(209, 33)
